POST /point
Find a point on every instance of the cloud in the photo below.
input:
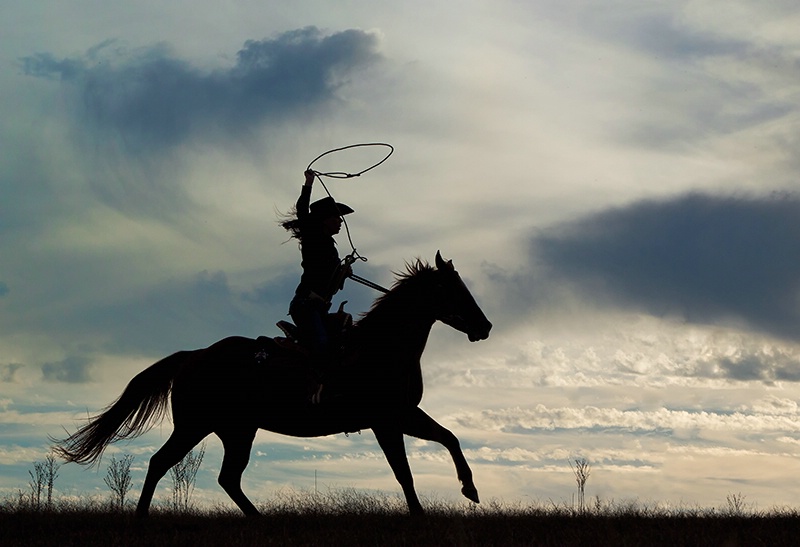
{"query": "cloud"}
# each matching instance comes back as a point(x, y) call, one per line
point(73, 370)
point(181, 313)
point(755, 369)
point(7, 373)
point(708, 78)
point(763, 364)
point(153, 99)
point(772, 405)
point(662, 420)
point(711, 260)
point(670, 37)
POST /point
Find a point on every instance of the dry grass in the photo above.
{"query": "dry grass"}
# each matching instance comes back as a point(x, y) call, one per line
point(350, 517)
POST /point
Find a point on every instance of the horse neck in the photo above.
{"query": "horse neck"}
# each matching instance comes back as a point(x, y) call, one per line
point(391, 338)
point(399, 323)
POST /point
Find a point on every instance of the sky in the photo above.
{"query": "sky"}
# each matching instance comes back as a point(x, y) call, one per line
point(616, 182)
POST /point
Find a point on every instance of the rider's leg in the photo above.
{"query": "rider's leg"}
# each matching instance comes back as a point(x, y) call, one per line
point(313, 335)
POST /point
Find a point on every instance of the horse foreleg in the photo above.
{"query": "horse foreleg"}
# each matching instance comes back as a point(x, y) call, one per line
point(177, 446)
point(422, 426)
point(237, 446)
point(391, 442)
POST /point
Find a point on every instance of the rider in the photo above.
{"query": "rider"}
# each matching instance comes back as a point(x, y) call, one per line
point(323, 276)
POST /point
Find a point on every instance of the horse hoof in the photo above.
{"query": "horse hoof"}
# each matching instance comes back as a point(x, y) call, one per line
point(471, 493)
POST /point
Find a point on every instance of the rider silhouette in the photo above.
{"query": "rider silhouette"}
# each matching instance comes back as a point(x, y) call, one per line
point(314, 226)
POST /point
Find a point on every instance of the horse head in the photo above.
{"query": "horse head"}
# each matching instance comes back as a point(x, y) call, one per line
point(455, 305)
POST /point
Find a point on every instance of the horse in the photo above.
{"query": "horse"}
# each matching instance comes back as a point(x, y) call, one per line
point(239, 385)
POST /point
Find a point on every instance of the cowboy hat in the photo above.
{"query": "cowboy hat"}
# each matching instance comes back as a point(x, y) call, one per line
point(327, 207)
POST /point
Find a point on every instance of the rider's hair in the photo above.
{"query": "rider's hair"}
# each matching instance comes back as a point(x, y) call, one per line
point(295, 227)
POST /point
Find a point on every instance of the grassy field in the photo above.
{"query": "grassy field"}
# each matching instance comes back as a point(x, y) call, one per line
point(352, 518)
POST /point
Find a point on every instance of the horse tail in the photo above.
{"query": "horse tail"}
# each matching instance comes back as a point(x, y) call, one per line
point(136, 411)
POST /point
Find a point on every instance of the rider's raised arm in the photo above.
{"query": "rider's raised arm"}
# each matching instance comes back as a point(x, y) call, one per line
point(305, 196)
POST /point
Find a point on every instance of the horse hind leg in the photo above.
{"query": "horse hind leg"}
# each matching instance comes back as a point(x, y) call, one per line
point(237, 445)
point(177, 446)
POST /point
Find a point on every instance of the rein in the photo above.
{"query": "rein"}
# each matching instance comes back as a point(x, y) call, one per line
point(368, 283)
point(349, 260)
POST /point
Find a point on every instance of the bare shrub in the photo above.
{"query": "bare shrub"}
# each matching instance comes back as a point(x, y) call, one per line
point(736, 506)
point(43, 478)
point(582, 470)
point(118, 479)
point(184, 476)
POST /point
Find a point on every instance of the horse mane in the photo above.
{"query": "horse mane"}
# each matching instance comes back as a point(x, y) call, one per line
point(415, 272)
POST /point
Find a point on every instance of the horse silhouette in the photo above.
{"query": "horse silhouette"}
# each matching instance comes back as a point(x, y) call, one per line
point(238, 385)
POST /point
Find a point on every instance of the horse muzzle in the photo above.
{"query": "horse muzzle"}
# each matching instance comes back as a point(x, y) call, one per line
point(475, 332)
point(479, 334)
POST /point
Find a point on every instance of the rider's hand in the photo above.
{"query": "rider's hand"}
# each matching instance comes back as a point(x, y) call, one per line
point(345, 271)
point(310, 174)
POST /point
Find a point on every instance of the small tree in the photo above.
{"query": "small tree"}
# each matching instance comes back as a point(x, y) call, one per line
point(43, 478)
point(184, 475)
point(118, 478)
point(582, 470)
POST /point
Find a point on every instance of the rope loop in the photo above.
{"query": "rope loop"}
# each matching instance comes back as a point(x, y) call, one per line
point(344, 175)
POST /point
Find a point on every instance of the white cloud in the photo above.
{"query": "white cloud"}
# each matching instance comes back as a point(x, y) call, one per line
point(541, 417)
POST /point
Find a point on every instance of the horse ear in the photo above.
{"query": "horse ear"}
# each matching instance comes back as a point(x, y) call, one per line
point(441, 264)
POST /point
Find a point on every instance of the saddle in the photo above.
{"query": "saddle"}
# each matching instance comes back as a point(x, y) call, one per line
point(338, 324)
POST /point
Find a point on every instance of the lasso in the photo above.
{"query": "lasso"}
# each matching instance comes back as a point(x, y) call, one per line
point(353, 256)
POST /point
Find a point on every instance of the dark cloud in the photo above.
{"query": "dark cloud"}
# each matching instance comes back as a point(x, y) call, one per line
point(73, 370)
point(8, 371)
point(181, 313)
point(754, 368)
point(184, 313)
point(710, 259)
point(3, 289)
point(767, 367)
point(155, 100)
